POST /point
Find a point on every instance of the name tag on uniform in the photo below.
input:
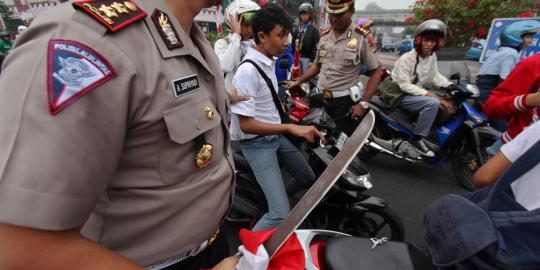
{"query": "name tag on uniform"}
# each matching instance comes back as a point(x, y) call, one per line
point(185, 85)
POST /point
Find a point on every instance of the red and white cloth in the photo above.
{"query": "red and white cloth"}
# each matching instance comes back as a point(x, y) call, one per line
point(289, 257)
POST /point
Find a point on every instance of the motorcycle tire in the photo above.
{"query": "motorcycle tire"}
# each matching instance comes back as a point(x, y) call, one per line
point(378, 223)
point(464, 165)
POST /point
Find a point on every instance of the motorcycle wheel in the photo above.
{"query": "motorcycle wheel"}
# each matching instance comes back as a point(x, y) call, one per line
point(464, 164)
point(378, 223)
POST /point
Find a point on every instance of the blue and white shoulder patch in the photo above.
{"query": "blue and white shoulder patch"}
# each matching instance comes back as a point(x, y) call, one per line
point(73, 69)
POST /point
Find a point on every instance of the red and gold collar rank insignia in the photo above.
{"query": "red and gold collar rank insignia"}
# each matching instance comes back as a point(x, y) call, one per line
point(166, 30)
point(115, 15)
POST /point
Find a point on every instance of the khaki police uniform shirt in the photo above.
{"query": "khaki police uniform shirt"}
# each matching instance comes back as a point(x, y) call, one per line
point(121, 158)
point(341, 59)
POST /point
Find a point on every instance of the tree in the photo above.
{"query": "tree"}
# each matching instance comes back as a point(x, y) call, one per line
point(468, 19)
point(11, 21)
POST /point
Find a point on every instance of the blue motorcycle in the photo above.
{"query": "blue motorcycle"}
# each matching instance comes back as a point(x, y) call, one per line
point(461, 139)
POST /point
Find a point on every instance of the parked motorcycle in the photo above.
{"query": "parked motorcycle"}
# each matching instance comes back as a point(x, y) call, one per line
point(462, 139)
point(345, 208)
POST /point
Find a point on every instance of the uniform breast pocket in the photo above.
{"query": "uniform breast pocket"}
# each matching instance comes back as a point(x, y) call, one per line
point(178, 151)
point(350, 58)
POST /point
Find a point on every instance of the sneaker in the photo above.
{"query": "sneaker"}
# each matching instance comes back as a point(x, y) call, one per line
point(422, 148)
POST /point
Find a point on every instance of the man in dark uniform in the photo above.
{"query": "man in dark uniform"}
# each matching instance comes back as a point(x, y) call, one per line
point(342, 50)
point(114, 148)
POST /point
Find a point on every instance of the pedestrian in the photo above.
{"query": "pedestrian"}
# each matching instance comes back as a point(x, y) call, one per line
point(514, 38)
point(412, 73)
point(114, 149)
point(256, 123)
point(5, 43)
point(232, 49)
point(306, 36)
point(516, 99)
point(342, 50)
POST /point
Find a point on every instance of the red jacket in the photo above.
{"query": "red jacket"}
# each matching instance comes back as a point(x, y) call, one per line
point(507, 101)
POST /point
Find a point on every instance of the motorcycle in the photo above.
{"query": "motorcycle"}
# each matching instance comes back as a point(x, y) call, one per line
point(463, 138)
point(345, 208)
point(338, 251)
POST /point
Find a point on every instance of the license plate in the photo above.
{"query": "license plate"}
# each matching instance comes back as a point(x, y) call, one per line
point(341, 140)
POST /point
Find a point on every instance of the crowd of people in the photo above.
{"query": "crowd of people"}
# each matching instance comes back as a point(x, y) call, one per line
point(117, 145)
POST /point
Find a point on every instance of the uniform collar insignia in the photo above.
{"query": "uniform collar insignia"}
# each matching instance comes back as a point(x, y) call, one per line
point(166, 30)
point(114, 14)
point(73, 70)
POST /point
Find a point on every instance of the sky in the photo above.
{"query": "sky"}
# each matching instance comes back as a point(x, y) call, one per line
point(386, 4)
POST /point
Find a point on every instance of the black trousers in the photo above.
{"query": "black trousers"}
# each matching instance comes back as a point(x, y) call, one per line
point(208, 258)
point(338, 108)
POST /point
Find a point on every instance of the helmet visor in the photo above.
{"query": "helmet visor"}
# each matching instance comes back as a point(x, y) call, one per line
point(247, 17)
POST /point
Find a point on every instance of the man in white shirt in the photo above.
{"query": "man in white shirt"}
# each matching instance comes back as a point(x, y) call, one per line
point(417, 68)
point(256, 123)
point(231, 49)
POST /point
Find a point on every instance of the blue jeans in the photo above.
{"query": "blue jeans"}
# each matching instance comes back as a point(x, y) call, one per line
point(427, 109)
point(262, 154)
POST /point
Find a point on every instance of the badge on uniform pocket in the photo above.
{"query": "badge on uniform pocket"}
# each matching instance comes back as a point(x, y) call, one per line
point(185, 85)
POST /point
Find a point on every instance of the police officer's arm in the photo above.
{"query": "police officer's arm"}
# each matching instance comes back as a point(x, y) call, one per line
point(312, 71)
point(24, 248)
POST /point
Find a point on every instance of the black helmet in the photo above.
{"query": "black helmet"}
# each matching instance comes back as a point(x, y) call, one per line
point(305, 7)
point(430, 27)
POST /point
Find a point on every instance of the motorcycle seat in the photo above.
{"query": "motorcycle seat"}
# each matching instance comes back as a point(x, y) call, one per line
point(348, 253)
point(404, 118)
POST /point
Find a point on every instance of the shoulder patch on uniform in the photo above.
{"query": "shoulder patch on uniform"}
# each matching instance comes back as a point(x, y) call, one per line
point(73, 69)
point(362, 31)
point(325, 31)
point(166, 30)
point(115, 15)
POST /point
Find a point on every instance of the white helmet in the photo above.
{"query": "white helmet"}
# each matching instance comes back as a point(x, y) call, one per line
point(238, 7)
point(21, 28)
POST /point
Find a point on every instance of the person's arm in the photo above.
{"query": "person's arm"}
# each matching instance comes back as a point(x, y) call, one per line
point(229, 54)
point(513, 95)
point(491, 170)
point(311, 72)
point(438, 79)
point(252, 126)
point(506, 65)
point(55, 250)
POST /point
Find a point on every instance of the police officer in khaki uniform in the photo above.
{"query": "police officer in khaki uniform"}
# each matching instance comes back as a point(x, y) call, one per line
point(342, 50)
point(114, 149)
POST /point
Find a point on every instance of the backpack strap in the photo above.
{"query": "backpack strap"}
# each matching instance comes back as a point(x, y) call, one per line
point(279, 105)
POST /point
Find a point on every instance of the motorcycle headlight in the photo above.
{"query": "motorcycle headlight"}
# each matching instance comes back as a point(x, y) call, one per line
point(474, 90)
point(363, 181)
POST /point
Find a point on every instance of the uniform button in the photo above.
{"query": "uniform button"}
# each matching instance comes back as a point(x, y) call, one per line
point(209, 77)
point(209, 112)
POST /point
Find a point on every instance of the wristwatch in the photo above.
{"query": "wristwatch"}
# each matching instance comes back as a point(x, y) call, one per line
point(364, 104)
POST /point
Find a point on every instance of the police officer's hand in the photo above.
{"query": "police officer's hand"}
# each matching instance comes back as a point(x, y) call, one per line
point(233, 95)
point(236, 25)
point(357, 112)
point(308, 132)
point(291, 84)
point(227, 263)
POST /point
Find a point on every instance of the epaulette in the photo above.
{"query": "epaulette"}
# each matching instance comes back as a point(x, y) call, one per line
point(325, 31)
point(364, 32)
point(114, 14)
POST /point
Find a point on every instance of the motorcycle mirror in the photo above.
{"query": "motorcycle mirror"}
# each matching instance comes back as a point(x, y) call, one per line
point(317, 100)
point(284, 63)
